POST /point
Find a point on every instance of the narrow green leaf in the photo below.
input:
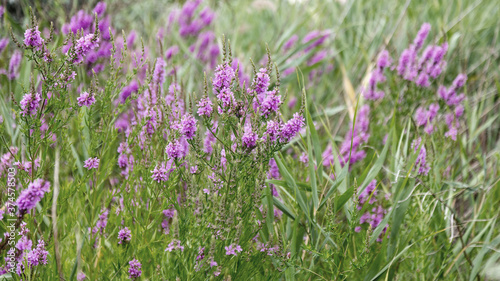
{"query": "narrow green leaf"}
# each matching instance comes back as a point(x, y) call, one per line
point(297, 239)
point(331, 191)
point(478, 261)
point(391, 262)
point(283, 208)
point(270, 210)
point(377, 166)
point(283, 183)
point(291, 182)
point(399, 212)
point(312, 172)
point(340, 201)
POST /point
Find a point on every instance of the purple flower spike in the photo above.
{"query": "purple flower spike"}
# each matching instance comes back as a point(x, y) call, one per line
point(188, 126)
point(249, 138)
point(86, 99)
point(134, 270)
point(421, 36)
point(91, 163)
point(30, 104)
point(290, 129)
point(32, 38)
point(124, 235)
point(29, 197)
point(205, 107)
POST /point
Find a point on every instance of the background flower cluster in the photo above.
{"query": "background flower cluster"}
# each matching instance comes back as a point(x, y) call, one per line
point(249, 140)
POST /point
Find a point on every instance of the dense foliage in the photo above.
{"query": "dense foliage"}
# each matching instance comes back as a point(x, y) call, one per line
point(249, 140)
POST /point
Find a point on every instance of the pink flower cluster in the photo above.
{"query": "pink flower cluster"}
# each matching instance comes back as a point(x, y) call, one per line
point(91, 163)
point(428, 65)
point(30, 104)
point(33, 39)
point(29, 197)
point(351, 148)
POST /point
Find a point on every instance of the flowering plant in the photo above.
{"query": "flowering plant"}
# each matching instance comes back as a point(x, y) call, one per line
point(122, 161)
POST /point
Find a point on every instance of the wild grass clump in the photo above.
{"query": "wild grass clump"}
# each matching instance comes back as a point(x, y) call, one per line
point(200, 147)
